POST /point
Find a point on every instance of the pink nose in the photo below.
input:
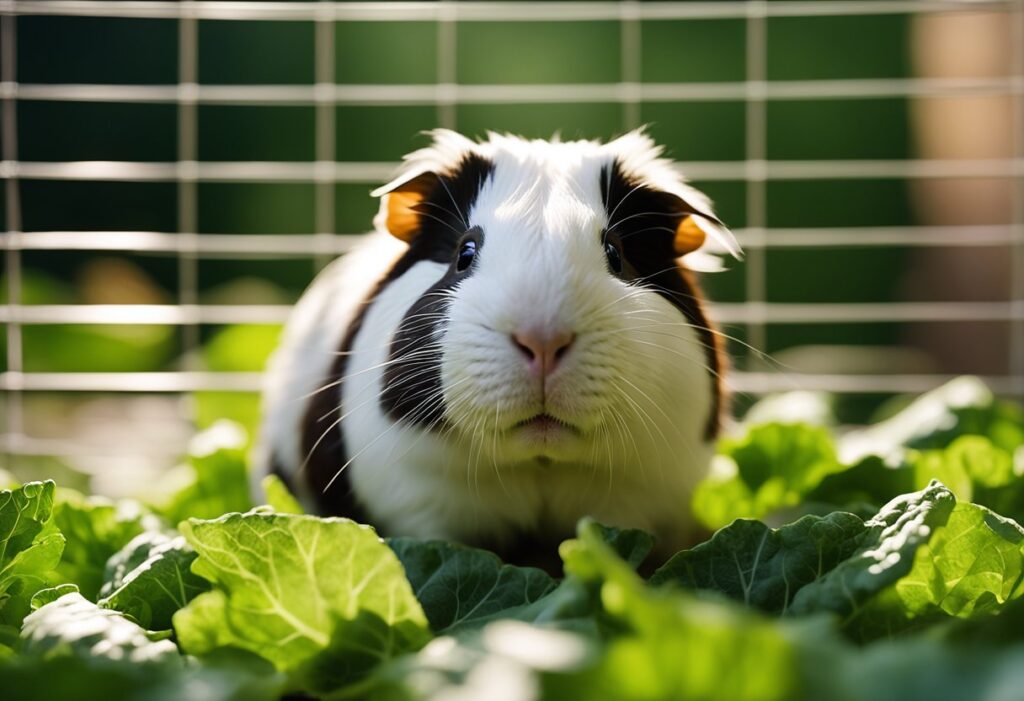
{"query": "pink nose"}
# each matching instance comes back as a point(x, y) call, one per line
point(543, 349)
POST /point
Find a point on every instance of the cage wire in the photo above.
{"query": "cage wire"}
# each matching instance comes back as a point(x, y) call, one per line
point(755, 314)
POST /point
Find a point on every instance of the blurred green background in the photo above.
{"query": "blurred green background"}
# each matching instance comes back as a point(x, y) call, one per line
point(55, 49)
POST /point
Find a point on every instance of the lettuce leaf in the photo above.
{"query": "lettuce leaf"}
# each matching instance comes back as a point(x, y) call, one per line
point(669, 644)
point(71, 648)
point(29, 547)
point(765, 567)
point(460, 587)
point(72, 626)
point(150, 578)
point(95, 529)
point(324, 600)
point(772, 467)
point(884, 556)
point(278, 496)
point(215, 481)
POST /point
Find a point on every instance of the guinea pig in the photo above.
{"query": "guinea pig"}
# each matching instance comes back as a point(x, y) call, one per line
point(520, 343)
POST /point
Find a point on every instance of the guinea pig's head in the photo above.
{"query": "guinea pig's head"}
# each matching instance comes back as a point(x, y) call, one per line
point(563, 322)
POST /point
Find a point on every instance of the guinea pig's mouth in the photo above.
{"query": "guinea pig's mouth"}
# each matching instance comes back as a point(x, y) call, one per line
point(546, 423)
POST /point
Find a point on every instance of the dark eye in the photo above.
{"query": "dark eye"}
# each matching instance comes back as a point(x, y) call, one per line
point(466, 255)
point(614, 257)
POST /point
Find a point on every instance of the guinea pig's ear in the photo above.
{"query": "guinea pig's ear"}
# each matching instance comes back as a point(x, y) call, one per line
point(399, 201)
point(638, 166)
point(700, 241)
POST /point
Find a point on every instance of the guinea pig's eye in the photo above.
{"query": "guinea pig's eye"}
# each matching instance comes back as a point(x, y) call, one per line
point(467, 252)
point(614, 257)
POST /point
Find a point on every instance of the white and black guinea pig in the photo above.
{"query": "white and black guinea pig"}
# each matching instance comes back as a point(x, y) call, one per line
point(519, 344)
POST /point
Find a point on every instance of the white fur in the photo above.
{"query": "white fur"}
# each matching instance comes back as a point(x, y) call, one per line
point(633, 382)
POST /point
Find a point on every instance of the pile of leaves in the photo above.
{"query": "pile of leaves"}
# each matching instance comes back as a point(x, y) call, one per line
point(884, 563)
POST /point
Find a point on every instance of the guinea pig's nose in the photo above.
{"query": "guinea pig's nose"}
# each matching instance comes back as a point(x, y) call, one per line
point(543, 349)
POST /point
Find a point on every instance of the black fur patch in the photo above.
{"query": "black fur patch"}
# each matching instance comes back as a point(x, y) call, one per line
point(642, 223)
point(440, 233)
point(412, 378)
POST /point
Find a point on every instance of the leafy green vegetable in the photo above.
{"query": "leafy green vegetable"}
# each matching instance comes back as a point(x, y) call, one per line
point(864, 487)
point(278, 496)
point(323, 599)
point(673, 646)
point(932, 420)
point(764, 567)
point(972, 564)
point(460, 587)
point(631, 544)
point(150, 579)
point(71, 648)
point(215, 481)
point(920, 600)
point(1000, 422)
point(46, 596)
point(95, 529)
point(29, 550)
point(775, 465)
point(885, 556)
point(72, 626)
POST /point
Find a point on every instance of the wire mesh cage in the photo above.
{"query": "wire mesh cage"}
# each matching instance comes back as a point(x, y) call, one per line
point(176, 172)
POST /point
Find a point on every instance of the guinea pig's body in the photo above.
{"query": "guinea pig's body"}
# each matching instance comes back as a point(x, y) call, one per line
point(517, 346)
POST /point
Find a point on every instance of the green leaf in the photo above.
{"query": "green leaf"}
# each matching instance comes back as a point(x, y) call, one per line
point(885, 556)
point(71, 648)
point(46, 596)
point(932, 421)
point(765, 567)
point(864, 487)
point(323, 599)
point(150, 579)
point(462, 587)
point(30, 548)
point(670, 644)
point(23, 513)
point(973, 564)
point(278, 496)
point(1000, 422)
point(95, 528)
point(631, 544)
point(775, 466)
point(74, 627)
point(216, 479)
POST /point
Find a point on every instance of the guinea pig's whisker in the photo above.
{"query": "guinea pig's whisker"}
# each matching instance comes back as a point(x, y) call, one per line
point(624, 427)
point(342, 379)
point(462, 217)
point(309, 454)
point(429, 429)
point(656, 405)
point(669, 268)
point(762, 355)
point(642, 417)
point(611, 217)
point(439, 220)
point(494, 435)
point(641, 214)
point(374, 441)
point(636, 232)
point(444, 209)
point(339, 407)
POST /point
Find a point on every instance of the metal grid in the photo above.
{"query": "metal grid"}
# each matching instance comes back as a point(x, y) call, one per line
point(324, 172)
